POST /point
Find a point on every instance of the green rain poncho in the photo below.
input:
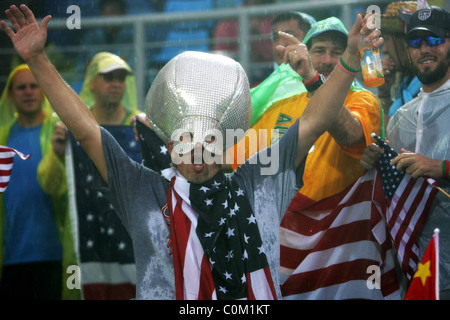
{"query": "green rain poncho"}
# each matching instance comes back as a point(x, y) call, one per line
point(281, 84)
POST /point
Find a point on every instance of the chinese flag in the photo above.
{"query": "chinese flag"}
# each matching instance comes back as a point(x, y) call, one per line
point(425, 284)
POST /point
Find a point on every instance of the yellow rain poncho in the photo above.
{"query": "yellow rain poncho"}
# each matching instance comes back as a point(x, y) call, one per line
point(7, 107)
point(8, 116)
point(104, 62)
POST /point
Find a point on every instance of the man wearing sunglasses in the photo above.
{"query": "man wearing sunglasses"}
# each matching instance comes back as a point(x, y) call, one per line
point(421, 125)
point(428, 43)
point(109, 91)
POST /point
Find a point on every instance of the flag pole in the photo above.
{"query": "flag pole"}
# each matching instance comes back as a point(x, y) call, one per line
point(436, 234)
point(442, 190)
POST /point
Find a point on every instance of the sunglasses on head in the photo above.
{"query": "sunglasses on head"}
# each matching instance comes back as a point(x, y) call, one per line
point(432, 41)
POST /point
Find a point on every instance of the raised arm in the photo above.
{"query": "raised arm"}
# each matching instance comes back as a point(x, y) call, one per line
point(29, 40)
point(347, 129)
point(324, 107)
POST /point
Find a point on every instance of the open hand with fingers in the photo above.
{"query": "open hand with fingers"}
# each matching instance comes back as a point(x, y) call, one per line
point(27, 37)
point(296, 55)
point(360, 36)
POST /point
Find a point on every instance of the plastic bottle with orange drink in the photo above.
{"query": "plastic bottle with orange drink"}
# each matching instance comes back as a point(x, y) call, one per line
point(371, 67)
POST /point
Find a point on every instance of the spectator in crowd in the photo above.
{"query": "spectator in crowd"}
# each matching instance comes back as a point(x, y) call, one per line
point(226, 37)
point(419, 129)
point(336, 152)
point(146, 201)
point(293, 22)
point(401, 85)
point(36, 239)
point(283, 82)
point(110, 92)
point(109, 89)
point(279, 115)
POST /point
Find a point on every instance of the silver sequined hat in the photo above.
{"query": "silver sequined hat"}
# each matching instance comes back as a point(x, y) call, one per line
point(201, 94)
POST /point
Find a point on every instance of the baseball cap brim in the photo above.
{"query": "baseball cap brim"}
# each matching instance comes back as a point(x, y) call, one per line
point(434, 30)
point(326, 25)
point(433, 19)
point(114, 67)
point(108, 65)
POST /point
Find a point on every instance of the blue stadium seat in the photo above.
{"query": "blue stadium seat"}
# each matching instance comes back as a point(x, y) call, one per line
point(142, 7)
point(195, 33)
point(174, 44)
point(190, 5)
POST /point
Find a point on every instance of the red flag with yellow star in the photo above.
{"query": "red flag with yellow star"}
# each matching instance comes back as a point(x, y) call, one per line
point(425, 283)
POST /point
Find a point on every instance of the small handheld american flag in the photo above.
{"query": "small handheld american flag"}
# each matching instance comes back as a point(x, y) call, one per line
point(390, 176)
point(6, 164)
point(408, 210)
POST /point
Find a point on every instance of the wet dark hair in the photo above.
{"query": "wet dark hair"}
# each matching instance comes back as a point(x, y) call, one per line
point(303, 23)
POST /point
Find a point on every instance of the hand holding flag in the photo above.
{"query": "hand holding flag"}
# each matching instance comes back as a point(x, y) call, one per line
point(391, 177)
point(392, 172)
point(6, 164)
point(410, 202)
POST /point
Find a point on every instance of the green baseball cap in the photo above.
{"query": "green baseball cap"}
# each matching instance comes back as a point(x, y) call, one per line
point(329, 24)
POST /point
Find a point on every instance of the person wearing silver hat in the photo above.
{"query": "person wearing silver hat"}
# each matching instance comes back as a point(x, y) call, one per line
point(198, 234)
point(419, 129)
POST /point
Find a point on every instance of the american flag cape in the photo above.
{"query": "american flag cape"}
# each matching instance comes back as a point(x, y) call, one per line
point(217, 254)
point(155, 155)
point(104, 247)
point(6, 165)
